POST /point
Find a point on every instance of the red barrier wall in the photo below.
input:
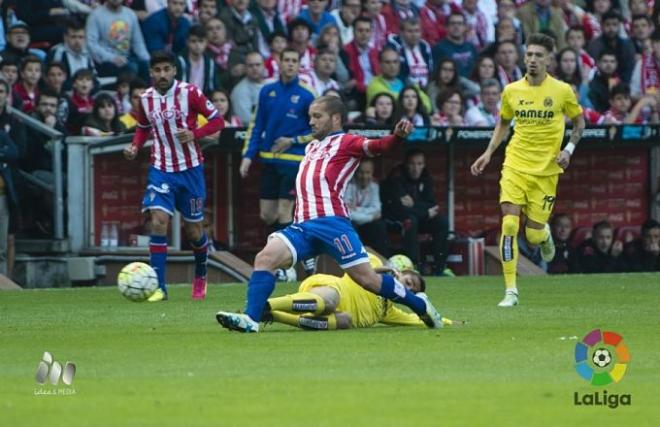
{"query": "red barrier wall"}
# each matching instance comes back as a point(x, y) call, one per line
point(602, 183)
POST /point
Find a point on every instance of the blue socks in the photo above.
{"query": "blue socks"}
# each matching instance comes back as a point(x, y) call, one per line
point(201, 250)
point(158, 258)
point(260, 287)
point(391, 289)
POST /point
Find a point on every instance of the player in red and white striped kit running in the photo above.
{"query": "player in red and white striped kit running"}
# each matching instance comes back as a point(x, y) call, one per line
point(169, 111)
point(322, 223)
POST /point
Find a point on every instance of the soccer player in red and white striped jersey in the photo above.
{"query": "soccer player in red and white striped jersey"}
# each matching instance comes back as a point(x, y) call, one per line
point(169, 111)
point(322, 223)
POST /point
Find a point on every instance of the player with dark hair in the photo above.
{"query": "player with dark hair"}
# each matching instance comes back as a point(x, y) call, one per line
point(169, 110)
point(321, 222)
point(533, 159)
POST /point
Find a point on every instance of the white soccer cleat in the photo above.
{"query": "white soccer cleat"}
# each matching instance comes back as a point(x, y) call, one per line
point(237, 322)
point(432, 318)
point(309, 265)
point(548, 247)
point(289, 275)
point(510, 300)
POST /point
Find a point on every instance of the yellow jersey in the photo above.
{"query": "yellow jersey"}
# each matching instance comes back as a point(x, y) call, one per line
point(366, 309)
point(538, 114)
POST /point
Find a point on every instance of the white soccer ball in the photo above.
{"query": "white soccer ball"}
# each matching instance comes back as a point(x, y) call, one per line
point(137, 281)
point(400, 262)
point(602, 357)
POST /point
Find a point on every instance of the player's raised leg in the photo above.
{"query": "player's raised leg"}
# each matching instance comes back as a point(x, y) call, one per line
point(542, 197)
point(509, 252)
point(276, 254)
point(539, 234)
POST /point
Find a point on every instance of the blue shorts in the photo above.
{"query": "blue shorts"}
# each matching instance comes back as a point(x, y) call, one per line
point(184, 191)
point(278, 182)
point(333, 235)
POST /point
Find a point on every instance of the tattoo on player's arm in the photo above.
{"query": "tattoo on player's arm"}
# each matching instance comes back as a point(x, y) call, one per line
point(578, 128)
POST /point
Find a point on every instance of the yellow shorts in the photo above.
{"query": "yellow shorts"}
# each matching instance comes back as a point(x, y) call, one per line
point(535, 194)
point(318, 280)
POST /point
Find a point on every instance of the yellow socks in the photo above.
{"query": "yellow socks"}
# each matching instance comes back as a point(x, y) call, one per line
point(301, 302)
point(509, 249)
point(536, 237)
point(328, 322)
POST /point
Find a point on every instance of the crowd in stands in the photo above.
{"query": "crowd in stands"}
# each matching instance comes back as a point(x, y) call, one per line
point(435, 62)
point(79, 66)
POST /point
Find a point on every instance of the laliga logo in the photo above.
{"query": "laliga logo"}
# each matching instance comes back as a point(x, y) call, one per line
point(52, 369)
point(602, 358)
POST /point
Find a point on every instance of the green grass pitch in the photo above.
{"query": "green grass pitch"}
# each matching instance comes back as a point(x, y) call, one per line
point(170, 364)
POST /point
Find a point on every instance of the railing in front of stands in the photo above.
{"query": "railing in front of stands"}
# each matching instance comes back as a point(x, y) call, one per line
point(232, 138)
point(57, 187)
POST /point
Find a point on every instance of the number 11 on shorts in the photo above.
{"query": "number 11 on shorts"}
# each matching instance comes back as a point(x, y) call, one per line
point(343, 244)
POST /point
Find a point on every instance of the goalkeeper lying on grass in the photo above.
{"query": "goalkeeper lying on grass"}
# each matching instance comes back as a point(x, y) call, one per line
point(329, 302)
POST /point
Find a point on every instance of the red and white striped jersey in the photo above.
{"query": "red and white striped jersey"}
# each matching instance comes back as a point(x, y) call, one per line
point(324, 174)
point(167, 114)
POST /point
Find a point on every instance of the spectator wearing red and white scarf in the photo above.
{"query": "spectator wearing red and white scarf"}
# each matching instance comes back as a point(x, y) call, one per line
point(320, 78)
point(506, 59)
point(645, 78)
point(416, 56)
point(277, 42)
point(477, 24)
point(372, 9)
point(218, 46)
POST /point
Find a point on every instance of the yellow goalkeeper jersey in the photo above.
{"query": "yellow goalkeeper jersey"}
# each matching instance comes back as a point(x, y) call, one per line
point(366, 309)
point(538, 114)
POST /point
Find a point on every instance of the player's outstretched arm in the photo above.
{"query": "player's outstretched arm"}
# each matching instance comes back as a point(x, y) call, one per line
point(375, 147)
point(564, 156)
point(499, 133)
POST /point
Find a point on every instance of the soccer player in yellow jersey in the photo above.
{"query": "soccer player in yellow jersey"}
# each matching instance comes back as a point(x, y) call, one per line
point(325, 302)
point(537, 104)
